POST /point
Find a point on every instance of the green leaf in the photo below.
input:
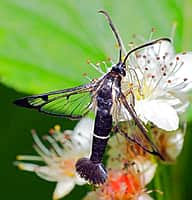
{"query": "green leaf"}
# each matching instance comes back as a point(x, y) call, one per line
point(189, 113)
point(44, 45)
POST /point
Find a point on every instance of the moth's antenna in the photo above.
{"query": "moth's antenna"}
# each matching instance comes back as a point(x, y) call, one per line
point(118, 38)
point(143, 46)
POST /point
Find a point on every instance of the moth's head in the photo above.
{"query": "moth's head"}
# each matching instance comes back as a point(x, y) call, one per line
point(119, 68)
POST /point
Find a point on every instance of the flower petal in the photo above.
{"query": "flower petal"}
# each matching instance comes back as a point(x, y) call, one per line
point(174, 144)
point(63, 188)
point(82, 133)
point(179, 101)
point(47, 173)
point(159, 113)
point(147, 168)
point(43, 172)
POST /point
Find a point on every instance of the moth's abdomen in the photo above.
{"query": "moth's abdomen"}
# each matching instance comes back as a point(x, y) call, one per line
point(103, 124)
point(92, 169)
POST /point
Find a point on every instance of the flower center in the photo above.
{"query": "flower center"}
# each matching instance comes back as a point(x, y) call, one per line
point(66, 167)
point(121, 186)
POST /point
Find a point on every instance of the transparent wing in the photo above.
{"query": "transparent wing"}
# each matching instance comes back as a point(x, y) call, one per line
point(71, 103)
point(139, 133)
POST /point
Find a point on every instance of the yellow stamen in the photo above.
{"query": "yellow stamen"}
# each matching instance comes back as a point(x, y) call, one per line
point(21, 166)
point(18, 157)
point(57, 128)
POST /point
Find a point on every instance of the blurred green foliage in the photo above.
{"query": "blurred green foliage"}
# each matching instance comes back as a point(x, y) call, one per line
point(44, 45)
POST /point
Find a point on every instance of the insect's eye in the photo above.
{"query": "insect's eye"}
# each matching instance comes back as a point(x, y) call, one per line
point(123, 73)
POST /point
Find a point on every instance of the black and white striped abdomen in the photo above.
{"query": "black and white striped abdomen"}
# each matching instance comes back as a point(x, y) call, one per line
point(92, 169)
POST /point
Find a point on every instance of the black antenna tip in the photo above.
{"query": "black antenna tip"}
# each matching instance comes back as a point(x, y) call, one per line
point(102, 11)
point(105, 13)
point(162, 39)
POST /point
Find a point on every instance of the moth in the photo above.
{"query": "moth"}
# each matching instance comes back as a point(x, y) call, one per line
point(105, 97)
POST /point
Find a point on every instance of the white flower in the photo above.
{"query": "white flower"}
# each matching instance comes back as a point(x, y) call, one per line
point(127, 183)
point(131, 170)
point(169, 144)
point(160, 80)
point(174, 145)
point(59, 160)
point(144, 196)
point(146, 168)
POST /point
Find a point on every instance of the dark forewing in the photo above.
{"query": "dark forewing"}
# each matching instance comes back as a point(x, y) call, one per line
point(71, 103)
point(139, 134)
